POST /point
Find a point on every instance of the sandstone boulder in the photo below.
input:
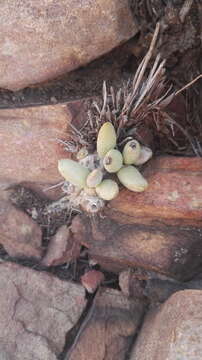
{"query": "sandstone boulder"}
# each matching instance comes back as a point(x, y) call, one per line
point(37, 311)
point(19, 234)
point(62, 248)
point(28, 145)
point(41, 40)
point(108, 329)
point(158, 230)
point(173, 331)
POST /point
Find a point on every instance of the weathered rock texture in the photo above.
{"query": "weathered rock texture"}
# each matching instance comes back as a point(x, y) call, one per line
point(41, 40)
point(29, 150)
point(173, 331)
point(37, 310)
point(62, 248)
point(92, 279)
point(174, 195)
point(159, 290)
point(160, 229)
point(109, 328)
point(19, 234)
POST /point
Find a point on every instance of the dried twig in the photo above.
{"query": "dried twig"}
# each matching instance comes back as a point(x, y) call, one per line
point(185, 9)
point(188, 85)
point(141, 69)
point(186, 134)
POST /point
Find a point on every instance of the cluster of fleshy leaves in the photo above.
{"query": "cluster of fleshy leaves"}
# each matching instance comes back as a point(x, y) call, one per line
point(94, 178)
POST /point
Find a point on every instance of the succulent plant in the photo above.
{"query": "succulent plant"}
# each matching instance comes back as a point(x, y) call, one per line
point(113, 161)
point(73, 172)
point(131, 152)
point(84, 182)
point(145, 155)
point(107, 190)
point(131, 178)
point(91, 204)
point(91, 161)
point(94, 178)
point(106, 139)
point(69, 188)
point(90, 191)
point(82, 153)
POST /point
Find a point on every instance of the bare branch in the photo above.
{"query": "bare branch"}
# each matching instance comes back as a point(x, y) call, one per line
point(188, 85)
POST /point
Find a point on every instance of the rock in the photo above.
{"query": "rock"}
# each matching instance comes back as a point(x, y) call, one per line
point(37, 311)
point(29, 150)
point(173, 331)
point(132, 284)
point(19, 234)
point(52, 38)
point(158, 230)
point(169, 250)
point(124, 281)
point(173, 197)
point(158, 291)
point(151, 287)
point(62, 248)
point(108, 329)
point(91, 280)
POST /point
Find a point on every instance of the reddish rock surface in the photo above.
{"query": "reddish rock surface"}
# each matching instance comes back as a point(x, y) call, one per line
point(173, 331)
point(19, 234)
point(125, 281)
point(62, 248)
point(91, 280)
point(174, 195)
point(159, 229)
point(28, 147)
point(41, 40)
point(108, 329)
point(170, 250)
point(37, 311)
